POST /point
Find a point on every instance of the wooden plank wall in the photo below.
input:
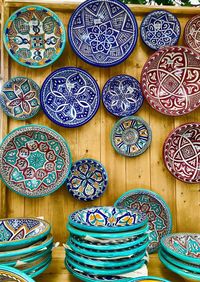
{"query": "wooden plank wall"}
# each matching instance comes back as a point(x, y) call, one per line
point(93, 140)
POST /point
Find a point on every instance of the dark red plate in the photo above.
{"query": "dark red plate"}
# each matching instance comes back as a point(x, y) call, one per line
point(192, 33)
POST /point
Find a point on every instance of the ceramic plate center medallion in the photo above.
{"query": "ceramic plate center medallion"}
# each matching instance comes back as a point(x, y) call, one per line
point(192, 33)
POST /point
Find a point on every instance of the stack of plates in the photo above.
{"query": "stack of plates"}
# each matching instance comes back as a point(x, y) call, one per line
point(26, 244)
point(180, 253)
point(107, 243)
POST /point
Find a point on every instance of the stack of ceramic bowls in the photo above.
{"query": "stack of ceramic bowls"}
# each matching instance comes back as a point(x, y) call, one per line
point(26, 244)
point(107, 243)
point(180, 253)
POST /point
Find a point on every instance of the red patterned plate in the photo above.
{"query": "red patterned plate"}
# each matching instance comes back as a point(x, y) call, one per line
point(192, 33)
point(181, 152)
point(171, 80)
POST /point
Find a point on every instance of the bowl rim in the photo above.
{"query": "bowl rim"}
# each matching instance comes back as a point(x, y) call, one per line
point(17, 272)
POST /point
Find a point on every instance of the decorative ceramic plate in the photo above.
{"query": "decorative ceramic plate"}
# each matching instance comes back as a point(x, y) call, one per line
point(103, 33)
point(10, 274)
point(22, 231)
point(107, 219)
point(19, 98)
point(131, 136)
point(184, 246)
point(34, 36)
point(34, 160)
point(159, 29)
point(122, 95)
point(149, 279)
point(39, 270)
point(88, 180)
point(171, 81)
point(156, 209)
point(70, 97)
point(192, 33)
point(181, 152)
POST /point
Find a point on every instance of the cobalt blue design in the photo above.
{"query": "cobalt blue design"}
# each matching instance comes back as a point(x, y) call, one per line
point(103, 32)
point(159, 29)
point(122, 95)
point(70, 97)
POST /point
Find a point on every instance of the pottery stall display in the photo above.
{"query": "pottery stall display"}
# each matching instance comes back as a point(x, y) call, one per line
point(192, 33)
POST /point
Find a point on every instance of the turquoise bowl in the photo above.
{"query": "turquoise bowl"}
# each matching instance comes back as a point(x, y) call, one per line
point(13, 274)
point(38, 265)
point(146, 278)
point(39, 270)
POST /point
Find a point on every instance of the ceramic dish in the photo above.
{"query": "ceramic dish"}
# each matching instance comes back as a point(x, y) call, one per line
point(19, 232)
point(122, 95)
point(108, 219)
point(192, 33)
point(170, 81)
point(184, 246)
point(88, 180)
point(103, 33)
point(34, 160)
point(149, 279)
point(34, 36)
point(19, 98)
point(156, 209)
point(160, 28)
point(27, 268)
point(131, 136)
point(39, 270)
point(181, 152)
point(70, 97)
point(12, 274)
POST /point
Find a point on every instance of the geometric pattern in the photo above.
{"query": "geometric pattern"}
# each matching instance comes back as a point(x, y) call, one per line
point(171, 81)
point(34, 36)
point(103, 33)
point(159, 29)
point(192, 33)
point(181, 152)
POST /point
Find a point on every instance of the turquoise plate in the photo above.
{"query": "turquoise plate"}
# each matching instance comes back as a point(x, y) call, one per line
point(38, 265)
point(12, 274)
point(152, 278)
point(39, 270)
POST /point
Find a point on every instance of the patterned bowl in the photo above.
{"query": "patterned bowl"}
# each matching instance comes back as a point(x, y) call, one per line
point(88, 180)
point(34, 36)
point(107, 219)
point(34, 160)
point(192, 33)
point(12, 274)
point(170, 81)
point(181, 152)
point(103, 33)
point(20, 232)
point(19, 98)
point(156, 209)
point(149, 279)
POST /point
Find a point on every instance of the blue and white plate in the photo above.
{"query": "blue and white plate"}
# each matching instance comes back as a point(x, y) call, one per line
point(70, 97)
point(122, 95)
point(103, 32)
point(159, 29)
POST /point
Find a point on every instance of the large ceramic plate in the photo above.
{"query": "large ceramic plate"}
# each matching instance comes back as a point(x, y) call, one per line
point(34, 36)
point(34, 160)
point(171, 81)
point(181, 152)
point(156, 209)
point(192, 33)
point(11, 274)
point(103, 33)
point(70, 97)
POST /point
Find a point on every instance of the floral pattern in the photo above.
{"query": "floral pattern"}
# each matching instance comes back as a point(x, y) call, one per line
point(192, 33)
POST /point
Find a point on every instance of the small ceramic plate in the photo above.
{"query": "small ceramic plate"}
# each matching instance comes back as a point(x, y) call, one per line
point(184, 246)
point(12, 274)
point(159, 29)
point(170, 81)
point(88, 180)
point(34, 36)
point(149, 279)
point(156, 209)
point(122, 95)
point(107, 219)
point(19, 98)
point(192, 33)
point(70, 97)
point(131, 136)
point(103, 33)
point(34, 160)
point(181, 152)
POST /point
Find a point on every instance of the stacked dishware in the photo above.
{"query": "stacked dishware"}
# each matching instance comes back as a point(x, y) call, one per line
point(107, 243)
point(180, 253)
point(25, 244)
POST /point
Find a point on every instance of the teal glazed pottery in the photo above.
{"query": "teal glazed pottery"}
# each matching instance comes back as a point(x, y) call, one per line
point(151, 278)
point(19, 232)
point(184, 246)
point(19, 98)
point(12, 274)
point(131, 136)
point(34, 36)
point(37, 265)
point(107, 219)
point(34, 160)
point(156, 209)
point(39, 271)
point(88, 180)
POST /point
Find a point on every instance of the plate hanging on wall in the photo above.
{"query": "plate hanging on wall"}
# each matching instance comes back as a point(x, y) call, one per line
point(192, 33)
